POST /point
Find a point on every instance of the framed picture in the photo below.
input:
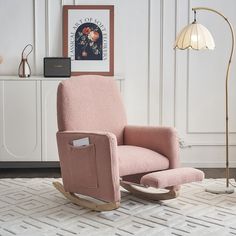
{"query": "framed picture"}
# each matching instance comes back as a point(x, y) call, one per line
point(88, 38)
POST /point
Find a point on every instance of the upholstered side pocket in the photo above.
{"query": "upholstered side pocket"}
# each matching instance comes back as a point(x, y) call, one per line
point(83, 166)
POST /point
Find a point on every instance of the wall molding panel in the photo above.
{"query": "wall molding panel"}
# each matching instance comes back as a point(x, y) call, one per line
point(155, 62)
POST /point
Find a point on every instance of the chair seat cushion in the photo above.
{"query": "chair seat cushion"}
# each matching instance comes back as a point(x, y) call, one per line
point(172, 177)
point(134, 160)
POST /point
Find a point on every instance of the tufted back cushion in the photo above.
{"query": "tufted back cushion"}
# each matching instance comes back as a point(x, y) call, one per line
point(90, 103)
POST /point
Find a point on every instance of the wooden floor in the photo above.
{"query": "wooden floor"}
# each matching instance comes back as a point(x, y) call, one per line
point(56, 173)
point(218, 172)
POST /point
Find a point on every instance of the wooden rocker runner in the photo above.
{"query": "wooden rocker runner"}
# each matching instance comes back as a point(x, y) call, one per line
point(86, 203)
point(182, 175)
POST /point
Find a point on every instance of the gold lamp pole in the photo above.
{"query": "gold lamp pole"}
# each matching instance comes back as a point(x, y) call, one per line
point(197, 37)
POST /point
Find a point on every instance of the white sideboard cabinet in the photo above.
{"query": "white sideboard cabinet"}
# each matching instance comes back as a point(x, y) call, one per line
point(28, 122)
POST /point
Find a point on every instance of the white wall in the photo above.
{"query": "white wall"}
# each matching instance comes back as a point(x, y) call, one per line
point(181, 89)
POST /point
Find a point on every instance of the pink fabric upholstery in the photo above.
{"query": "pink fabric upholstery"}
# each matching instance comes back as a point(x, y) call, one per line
point(91, 170)
point(134, 160)
point(159, 139)
point(168, 178)
point(91, 103)
point(91, 106)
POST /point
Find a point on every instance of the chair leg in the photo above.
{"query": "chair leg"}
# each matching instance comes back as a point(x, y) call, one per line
point(84, 202)
point(151, 196)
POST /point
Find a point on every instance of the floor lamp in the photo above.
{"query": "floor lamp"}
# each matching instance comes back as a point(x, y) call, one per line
point(196, 36)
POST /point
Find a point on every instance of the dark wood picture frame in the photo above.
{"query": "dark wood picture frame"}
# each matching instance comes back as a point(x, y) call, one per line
point(109, 64)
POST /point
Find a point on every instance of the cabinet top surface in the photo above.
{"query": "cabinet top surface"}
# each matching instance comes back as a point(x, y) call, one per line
point(33, 78)
point(15, 77)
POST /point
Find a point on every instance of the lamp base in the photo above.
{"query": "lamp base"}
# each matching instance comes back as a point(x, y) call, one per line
point(218, 189)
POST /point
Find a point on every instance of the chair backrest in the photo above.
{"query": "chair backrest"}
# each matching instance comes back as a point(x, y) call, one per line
point(90, 103)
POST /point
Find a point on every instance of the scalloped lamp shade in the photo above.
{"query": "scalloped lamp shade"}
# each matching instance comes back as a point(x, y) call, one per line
point(195, 36)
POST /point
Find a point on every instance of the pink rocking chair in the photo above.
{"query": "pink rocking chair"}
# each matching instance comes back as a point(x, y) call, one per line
point(117, 154)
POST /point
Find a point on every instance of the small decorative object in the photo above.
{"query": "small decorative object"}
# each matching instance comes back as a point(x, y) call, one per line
point(88, 40)
point(57, 67)
point(1, 59)
point(196, 36)
point(24, 68)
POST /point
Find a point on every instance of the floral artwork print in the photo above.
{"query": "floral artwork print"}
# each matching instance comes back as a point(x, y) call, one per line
point(88, 38)
point(88, 42)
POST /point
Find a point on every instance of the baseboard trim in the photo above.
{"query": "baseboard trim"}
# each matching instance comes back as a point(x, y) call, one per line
point(56, 164)
point(29, 164)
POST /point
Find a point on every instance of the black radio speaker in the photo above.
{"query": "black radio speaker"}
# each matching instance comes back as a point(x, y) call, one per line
point(57, 67)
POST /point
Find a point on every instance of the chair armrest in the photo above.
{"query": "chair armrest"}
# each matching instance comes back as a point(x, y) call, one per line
point(159, 139)
point(107, 166)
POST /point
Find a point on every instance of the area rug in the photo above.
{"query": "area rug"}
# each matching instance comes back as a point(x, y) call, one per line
point(33, 207)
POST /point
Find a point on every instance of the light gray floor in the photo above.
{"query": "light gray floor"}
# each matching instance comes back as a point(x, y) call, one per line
point(33, 207)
